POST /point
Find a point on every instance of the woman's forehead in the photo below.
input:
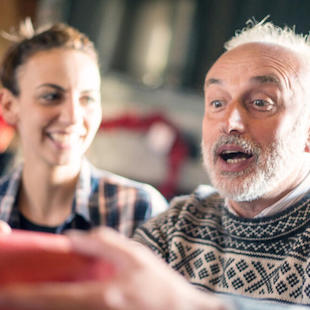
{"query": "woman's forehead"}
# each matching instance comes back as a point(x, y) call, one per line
point(60, 65)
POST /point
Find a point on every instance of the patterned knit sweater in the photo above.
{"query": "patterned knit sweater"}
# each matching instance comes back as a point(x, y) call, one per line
point(266, 258)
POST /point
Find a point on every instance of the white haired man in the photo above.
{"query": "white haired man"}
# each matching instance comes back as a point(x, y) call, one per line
point(249, 235)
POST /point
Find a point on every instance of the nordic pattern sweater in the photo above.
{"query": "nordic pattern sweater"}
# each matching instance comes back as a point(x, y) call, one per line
point(266, 258)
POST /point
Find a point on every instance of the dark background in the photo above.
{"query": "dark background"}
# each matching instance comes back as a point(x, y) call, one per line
point(211, 23)
point(154, 55)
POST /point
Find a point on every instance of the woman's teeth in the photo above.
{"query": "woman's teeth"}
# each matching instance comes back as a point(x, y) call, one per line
point(63, 138)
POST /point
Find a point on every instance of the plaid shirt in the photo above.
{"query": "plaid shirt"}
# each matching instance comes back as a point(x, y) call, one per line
point(101, 198)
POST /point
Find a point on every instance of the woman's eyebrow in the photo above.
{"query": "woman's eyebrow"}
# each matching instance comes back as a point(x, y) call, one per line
point(52, 86)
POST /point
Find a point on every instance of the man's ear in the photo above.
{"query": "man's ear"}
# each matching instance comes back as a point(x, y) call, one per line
point(9, 106)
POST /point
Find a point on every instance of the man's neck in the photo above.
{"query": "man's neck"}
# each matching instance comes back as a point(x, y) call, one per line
point(249, 209)
point(266, 207)
point(298, 179)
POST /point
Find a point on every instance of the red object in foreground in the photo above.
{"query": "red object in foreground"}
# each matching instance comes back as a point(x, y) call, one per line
point(31, 257)
point(7, 133)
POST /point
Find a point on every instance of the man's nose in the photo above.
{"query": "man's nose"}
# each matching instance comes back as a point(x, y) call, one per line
point(235, 121)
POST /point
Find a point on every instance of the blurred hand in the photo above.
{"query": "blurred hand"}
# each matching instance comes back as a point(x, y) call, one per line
point(142, 282)
point(4, 228)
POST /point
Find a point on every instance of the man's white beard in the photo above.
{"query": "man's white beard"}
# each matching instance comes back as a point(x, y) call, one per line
point(273, 165)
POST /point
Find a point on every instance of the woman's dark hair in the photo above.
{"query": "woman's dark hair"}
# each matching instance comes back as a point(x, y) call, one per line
point(28, 42)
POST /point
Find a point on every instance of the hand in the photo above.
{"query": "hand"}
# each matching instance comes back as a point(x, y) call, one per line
point(142, 281)
point(4, 228)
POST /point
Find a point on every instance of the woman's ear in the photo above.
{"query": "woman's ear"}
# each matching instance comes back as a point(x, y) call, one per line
point(9, 106)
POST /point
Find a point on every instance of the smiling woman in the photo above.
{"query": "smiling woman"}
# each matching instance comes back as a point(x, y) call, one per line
point(51, 95)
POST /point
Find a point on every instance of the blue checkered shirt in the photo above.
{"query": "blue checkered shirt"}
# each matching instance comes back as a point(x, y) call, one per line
point(101, 198)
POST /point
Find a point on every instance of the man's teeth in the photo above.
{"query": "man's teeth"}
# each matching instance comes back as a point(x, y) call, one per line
point(235, 160)
point(234, 157)
point(230, 152)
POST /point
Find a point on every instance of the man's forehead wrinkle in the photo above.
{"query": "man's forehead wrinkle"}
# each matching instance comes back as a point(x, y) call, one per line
point(261, 79)
point(275, 72)
point(287, 64)
point(260, 64)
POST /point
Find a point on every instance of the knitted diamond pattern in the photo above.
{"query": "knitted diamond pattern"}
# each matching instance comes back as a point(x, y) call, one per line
point(266, 258)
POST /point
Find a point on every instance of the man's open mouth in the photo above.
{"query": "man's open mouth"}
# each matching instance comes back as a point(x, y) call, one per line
point(232, 156)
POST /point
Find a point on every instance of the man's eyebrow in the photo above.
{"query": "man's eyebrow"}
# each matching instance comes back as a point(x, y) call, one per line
point(262, 79)
point(266, 79)
point(211, 81)
point(52, 86)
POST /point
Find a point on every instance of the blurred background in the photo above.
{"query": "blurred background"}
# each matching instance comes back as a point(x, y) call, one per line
point(154, 55)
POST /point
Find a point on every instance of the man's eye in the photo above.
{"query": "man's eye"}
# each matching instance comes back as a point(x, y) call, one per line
point(262, 104)
point(216, 104)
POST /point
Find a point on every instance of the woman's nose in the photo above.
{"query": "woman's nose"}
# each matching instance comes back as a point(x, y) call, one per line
point(71, 111)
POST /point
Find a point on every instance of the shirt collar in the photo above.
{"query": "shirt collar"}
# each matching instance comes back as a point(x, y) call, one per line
point(83, 191)
point(81, 197)
point(11, 193)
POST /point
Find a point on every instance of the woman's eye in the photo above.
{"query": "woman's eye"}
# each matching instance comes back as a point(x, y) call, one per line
point(51, 97)
point(87, 99)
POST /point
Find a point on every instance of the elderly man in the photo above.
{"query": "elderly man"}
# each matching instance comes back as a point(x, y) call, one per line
point(250, 236)
point(247, 237)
